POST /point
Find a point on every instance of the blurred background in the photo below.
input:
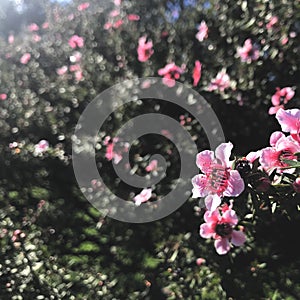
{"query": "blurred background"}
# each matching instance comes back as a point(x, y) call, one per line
point(55, 57)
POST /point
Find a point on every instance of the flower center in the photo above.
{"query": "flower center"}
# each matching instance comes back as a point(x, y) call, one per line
point(224, 229)
point(218, 179)
point(286, 154)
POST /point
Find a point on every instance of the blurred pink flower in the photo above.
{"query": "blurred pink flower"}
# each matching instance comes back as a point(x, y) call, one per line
point(284, 40)
point(144, 49)
point(76, 41)
point(152, 166)
point(197, 72)
point(282, 148)
point(74, 68)
point(11, 39)
point(143, 196)
point(36, 38)
point(75, 57)
point(170, 73)
point(220, 227)
point(296, 185)
point(200, 261)
point(25, 58)
point(107, 25)
point(45, 25)
point(118, 23)
point(33, 27)
point(221, 82)
point(110, 151)
point(78, 75)
point(114, 13)
point(61, 71)
point(280, 98)
point(289, 121)
point(83, 6)
point(133, 17)
point(3, 96)
point(41, 147)
point(117, 2)
point(202, 32)
point(248, 52)
point(272, 22)
point(218, 178)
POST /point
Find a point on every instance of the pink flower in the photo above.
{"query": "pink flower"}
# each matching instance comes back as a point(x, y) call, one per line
point(280, 98)
point(152, 166)
point(36, 38)
point(74, 68)
point(118, 23)
point(218, 178)
point(220, 227)
point(25, 58)
point(221, 82)
point(76, 41)
point(282, 148)
point(11, 39)
point(296, 185)
point(144, 49)
point(170, 73)
point(200, 261)
point(33, 27)
point(197, 72)
point(133, 17)
point(202, 33)
point(143, 196)
point(272, 22)
point(289, 121)
point(41, 147)
point(76, 57)
point(114, 13)
point(248, 52)
point(111, 153)
point(83, 6)
point(284, 40)
point(61, 71)
point(45, 25)
point(78, 75)
point(3, 96)
point(108, 26)
point(117, 2)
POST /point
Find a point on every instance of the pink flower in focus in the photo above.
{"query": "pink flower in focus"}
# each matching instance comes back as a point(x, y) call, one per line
point(133, 17)
point(218, 178)
point(143, 196)
point(282, 148)
point(289, 121)
point(61, 71)
point(202, 32)
point(220, 227)
point(3, 96)
point(76, 41)
point(170, 73)
point(221, 82)
point(33, 27)
point(272, 22)
point(83, 6)
point(144, 49)
point(280, 98)
point(152, 166)
point(41, 147)
point(11, 39)
point(25, 58)
point(197, 72)
point(248, 52)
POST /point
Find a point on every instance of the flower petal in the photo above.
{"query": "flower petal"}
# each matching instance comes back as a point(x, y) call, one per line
point(206, 231)
point(204, 160)
point(222, 246)
point(223, 153)
point(212, 202)
point(238, 238)
point(275, 136)
point(199, 186)
point(289, 120)
point(235, 184)
point(229, 216)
